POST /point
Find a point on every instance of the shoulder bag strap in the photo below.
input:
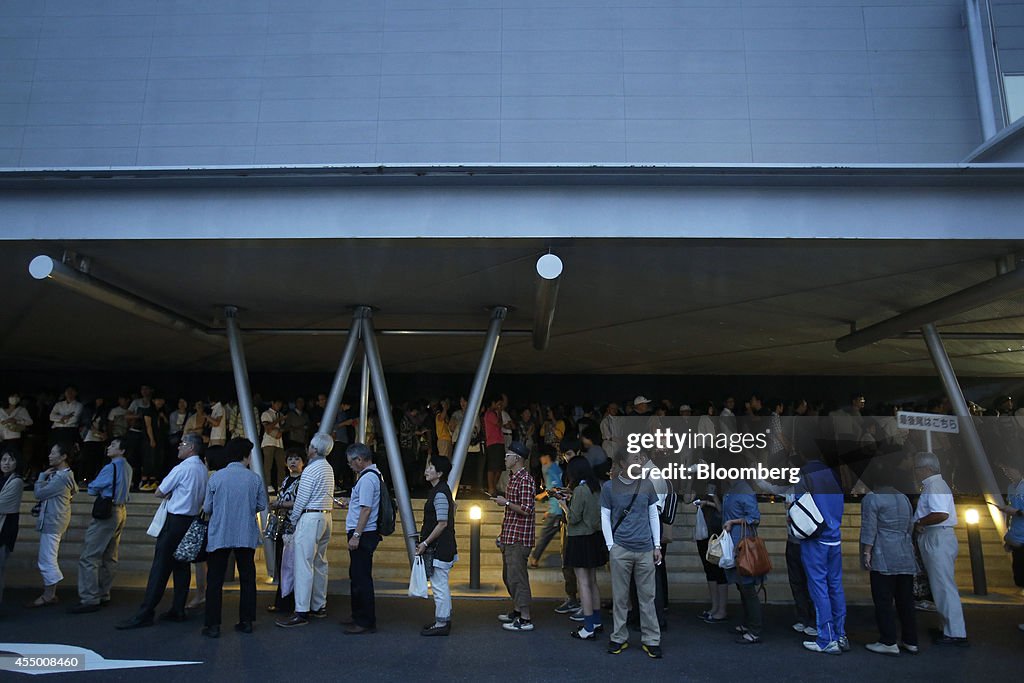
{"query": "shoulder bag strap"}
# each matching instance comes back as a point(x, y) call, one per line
point(627, 510)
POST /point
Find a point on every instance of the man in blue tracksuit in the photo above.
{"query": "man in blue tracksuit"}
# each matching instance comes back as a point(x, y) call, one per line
point(823, 559)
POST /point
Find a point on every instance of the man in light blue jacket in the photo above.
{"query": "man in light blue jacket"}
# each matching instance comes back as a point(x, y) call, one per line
point(233, 497)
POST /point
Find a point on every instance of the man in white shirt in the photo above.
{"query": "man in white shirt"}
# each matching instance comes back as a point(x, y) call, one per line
point(611, 439)
point(311, 518)
point(183, 491)
point(935, 522)
point(14, 419)
point(218, 424)
point(64, 419)
point(273, 443)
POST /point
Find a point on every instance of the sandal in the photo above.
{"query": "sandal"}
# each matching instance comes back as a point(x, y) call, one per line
point(741, 630)
point(748, 639)
point(715, 620)
point(42, 602)
point(704, 615)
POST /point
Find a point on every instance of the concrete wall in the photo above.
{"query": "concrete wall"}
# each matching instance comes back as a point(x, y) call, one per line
point(240, 82)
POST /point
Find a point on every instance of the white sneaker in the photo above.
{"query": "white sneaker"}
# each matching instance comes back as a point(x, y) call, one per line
point(925, 606)
point(518, 625)
point(830, 649)
point(811, 631)
point(799, 627)
point(912, 649)
point(879, 648)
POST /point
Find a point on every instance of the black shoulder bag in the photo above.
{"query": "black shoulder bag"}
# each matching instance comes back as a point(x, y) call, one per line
point(103, 507)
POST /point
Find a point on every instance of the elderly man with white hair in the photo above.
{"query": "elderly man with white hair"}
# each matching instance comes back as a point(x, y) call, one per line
point(311, 518)
point(935, 523)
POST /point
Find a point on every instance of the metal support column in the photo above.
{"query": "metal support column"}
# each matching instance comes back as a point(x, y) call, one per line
point(241, 373)
point(476, 396)
point(348, 358)
point(387, 428)
point(364, 402)
point(989, 486)
point(979, 60)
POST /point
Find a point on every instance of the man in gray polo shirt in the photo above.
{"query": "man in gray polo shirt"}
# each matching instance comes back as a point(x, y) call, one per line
point(632, 532)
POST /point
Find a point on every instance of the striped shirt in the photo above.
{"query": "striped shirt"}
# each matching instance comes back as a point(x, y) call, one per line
point(315, 489)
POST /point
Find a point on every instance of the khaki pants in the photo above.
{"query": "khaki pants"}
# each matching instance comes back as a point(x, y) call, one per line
point(312, 534)
point(98, 562)
point(516, 576)
point(939, 549)
point(639, 566)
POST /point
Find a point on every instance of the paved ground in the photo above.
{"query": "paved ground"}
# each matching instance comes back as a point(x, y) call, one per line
point(479, 650)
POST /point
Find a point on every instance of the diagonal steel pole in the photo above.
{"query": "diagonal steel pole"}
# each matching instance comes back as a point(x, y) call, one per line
point(348, 358)
point(387, 426)
point(240, 370)
point(476, 396)
point(982, 467)
point(364, 402)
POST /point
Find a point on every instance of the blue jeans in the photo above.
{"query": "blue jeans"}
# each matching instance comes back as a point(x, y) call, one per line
point(824, 567)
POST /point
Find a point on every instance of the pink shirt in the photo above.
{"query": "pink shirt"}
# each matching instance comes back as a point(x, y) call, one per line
point(492, 428)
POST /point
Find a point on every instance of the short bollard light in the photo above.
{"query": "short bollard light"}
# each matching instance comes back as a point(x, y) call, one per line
point(972, 518)
point(475, 515)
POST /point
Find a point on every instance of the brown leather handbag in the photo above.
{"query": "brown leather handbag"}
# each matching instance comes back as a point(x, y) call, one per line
point(751, 554)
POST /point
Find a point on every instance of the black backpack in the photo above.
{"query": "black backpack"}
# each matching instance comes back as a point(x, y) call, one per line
point(386, 513)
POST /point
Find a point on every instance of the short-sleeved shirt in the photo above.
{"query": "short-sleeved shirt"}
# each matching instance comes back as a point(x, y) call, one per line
point(138, 408)
point(186, 485)
point(218, 432)
point(936, 497)
point(492, 428)
point(519, 527)
point(1016, 532)
point(634, 531)
point(366, 493)
point(268, 440)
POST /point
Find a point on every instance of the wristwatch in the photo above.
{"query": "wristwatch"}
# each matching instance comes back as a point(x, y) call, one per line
point(356, 534)
point(507, 503)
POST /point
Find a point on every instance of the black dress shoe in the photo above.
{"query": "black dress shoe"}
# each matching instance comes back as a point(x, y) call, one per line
point(171, 615)
point(948, 640)
point(357, 630)
point(135, 622)
point(83, 608)
point(292, 621)
point(211, 631)
point(244, 627)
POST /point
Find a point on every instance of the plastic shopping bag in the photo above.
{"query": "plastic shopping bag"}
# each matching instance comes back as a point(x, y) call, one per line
point(418, 579)
point(157, 525)
point(287, 568)
point(700, 527)
point(728, 560)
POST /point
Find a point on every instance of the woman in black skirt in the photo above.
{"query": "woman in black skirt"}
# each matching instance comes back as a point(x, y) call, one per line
point(585, 550)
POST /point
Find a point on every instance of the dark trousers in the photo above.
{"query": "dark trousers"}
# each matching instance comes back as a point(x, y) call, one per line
point(65, 436)
point(360, 574)
point(552, 526)
point(284, 604)
point(798, 585)
point(216, 570)
point(752, 616)
point(92, 459)
point(164, 565)
point(1017, 559)
point(893, 595)
point(133, 454)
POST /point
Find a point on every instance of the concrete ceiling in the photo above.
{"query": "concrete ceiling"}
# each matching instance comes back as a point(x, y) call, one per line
point(625, 306)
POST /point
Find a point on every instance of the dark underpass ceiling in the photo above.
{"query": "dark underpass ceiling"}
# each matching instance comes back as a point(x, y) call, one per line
point(772, 307)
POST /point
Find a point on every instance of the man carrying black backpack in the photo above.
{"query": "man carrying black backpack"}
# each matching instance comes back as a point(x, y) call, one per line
point(361, 524)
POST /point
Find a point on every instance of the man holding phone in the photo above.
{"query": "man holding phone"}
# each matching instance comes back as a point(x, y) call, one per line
point(518, 530)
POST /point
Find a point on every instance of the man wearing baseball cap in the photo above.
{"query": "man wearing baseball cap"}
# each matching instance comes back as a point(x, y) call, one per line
point(516, 539)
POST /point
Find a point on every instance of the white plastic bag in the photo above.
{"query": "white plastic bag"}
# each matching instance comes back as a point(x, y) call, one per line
point(287, 573)
point(728, 560)
point(418, 579)
point(157, 525)
point(700, 527)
